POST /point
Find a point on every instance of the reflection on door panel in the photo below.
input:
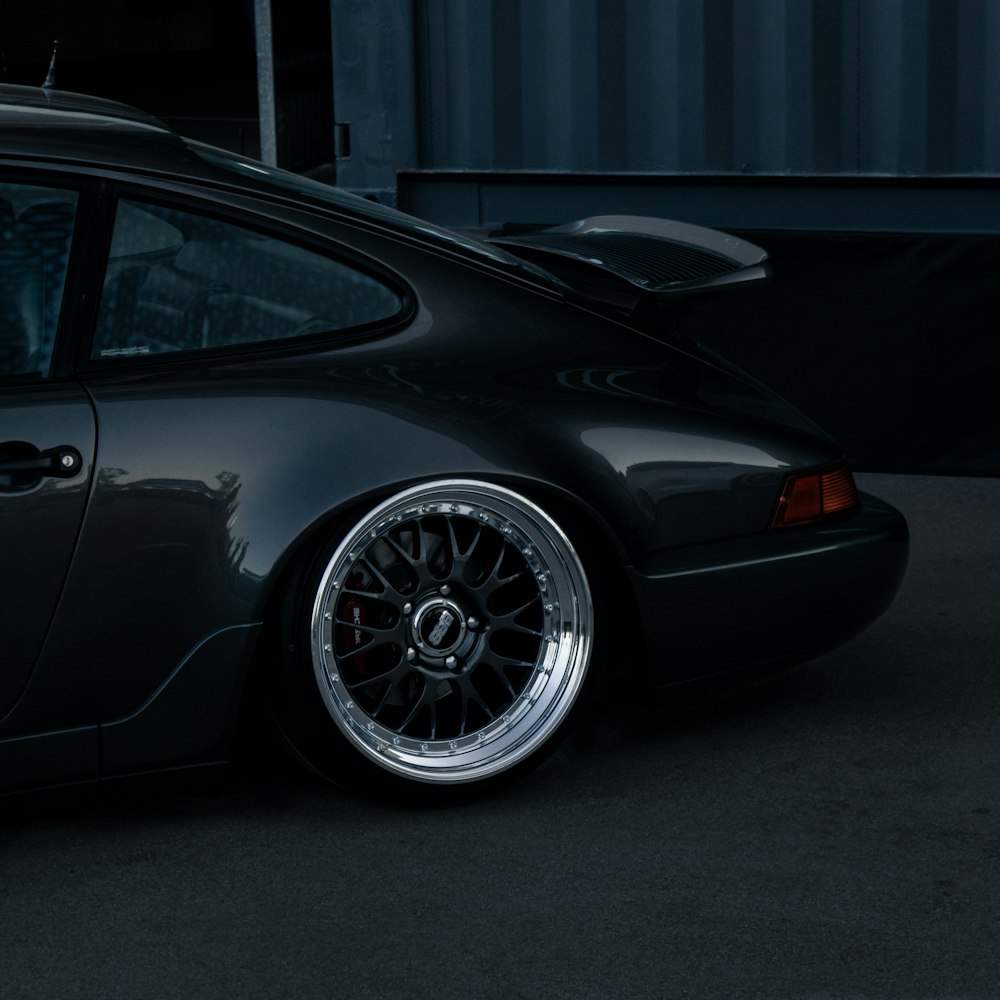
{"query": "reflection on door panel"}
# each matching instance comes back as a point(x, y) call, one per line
point(41, 510)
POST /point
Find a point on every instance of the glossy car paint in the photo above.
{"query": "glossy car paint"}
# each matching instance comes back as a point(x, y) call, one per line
point(39, 523)
point(207, 478)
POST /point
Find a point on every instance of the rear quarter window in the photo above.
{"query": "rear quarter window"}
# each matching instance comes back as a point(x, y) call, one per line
point(180, 281)
point(36, 227)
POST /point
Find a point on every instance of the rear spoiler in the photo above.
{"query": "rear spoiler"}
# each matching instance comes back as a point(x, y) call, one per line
point(628, 261)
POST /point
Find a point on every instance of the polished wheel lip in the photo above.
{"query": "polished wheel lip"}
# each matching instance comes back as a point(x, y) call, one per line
point(560, 667)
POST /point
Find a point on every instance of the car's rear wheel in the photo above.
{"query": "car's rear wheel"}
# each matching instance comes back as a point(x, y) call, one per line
point(442, 640)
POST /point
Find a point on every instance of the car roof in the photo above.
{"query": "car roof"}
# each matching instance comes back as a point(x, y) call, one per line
point(17, 100)
point(57, 126)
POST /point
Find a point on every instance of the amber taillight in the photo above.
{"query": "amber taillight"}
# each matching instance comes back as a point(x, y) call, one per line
point(811, 495)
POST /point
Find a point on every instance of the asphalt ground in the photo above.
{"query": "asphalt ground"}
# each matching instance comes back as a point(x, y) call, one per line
point(832, 834)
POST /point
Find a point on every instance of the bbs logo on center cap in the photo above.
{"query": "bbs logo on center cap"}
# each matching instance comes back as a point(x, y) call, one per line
point(439, 627)
point(440, 630)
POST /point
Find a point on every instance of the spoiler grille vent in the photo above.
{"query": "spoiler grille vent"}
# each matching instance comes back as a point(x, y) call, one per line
point(650, 261)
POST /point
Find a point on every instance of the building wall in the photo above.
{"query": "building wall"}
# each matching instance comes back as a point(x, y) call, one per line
point(802, 87)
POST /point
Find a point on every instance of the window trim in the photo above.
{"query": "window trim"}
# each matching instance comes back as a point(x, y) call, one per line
point(264, 225)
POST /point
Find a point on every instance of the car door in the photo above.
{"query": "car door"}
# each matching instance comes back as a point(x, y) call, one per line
point(47, 429)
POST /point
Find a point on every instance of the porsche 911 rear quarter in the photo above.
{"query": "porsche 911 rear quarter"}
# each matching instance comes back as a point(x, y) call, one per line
point(441, 482)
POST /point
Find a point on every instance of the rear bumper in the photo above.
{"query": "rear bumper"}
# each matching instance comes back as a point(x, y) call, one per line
point(780, 597)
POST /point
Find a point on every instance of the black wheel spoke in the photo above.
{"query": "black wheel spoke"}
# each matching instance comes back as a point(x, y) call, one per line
point(380, 576)
point(497, 669)
point(418, 564)
point(508, 623)
point(493, 576)
point(392, 680)
point(414, 708)
point(384, 633)
point(426, 699)
point(456, 549)
point(461, 558)
point(523, 571)
point(389, 676)
point(400, 551)
point(421, 540)
point(469, 697)
point(366, 645)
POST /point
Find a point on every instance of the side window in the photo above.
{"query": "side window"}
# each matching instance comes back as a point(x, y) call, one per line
point(178, 281)
point(36, 227)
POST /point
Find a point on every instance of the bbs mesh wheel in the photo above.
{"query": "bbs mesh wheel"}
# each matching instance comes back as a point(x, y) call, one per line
point(449, 635)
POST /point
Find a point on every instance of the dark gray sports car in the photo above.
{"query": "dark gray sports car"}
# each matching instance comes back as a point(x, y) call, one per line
point(414, 490)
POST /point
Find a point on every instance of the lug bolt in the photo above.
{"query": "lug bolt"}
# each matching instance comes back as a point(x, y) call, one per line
point(451, 662)
point(407, 608)
point(411, 654)
point(445, 590)
point(473, 623)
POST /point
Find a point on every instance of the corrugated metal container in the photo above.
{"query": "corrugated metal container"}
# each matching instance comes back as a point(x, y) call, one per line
point(709, 86)
point(673, 86)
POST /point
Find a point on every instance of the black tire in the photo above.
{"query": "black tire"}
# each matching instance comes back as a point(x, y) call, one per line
point(436, 646)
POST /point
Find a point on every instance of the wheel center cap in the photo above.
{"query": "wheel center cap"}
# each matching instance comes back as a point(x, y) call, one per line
point(439, 627)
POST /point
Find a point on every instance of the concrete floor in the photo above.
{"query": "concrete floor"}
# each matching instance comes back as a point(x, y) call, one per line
point(833, 834)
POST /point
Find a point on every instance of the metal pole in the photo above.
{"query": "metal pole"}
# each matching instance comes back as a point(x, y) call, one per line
point(265, 81)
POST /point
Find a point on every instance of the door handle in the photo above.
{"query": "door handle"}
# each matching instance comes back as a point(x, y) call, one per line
point(62, 462)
